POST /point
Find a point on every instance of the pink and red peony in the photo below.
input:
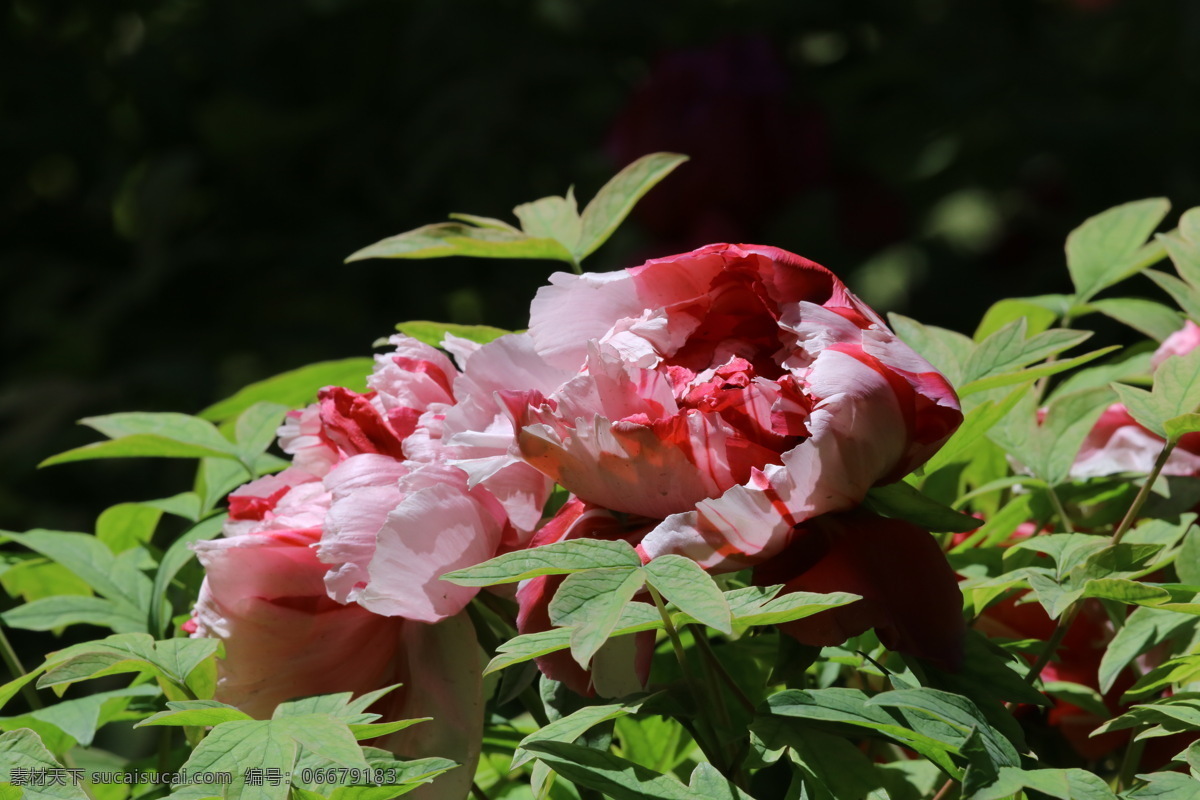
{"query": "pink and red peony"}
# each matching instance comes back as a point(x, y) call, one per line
point(733, 405)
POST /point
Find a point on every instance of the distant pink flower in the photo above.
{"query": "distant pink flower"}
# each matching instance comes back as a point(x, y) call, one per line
point(1118, 443)
point(732, 393)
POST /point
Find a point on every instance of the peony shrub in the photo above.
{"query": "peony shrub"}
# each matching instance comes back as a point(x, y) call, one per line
point(710, 527)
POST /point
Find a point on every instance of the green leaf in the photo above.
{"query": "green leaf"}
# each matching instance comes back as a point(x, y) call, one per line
point(195, 712)
point(693, 591)
point(635, 617)
point(936, 709)
point(79, 719)
point(31, 577)
point(1187, 564)
point(172, 660)
point(92, 561)
point(591, 603)
point(433, 333)
point(1128, 367)
point(1185, 255)
point(617, 198)
point(1048, 449)
point(789, 607)
point(1143, 630)
point(613, 776)
point(60, 611)
point(1003, 312)
point(233, 748)
point(1146, 316)
point(1176, 393)
point(976, 423)
point(1033, 373)
point(1008, 349)
point(1165, 786)
point(23, 748)
point(485, 222)
point(830, 766)
point(1107, 248)
point(560, 558)
point(294, 388)
point(127, 525)
point(946, 350)
point(141, 445)
point(1187, 297)
point(167, 424)
point(850, 707)
point(215, 478)
point(1065, 784)
point(571, 727)
point(176, 557)
point(456, 239)
point(1177, 427)
point(901, 500)
point(552, 218)
point(255, 428)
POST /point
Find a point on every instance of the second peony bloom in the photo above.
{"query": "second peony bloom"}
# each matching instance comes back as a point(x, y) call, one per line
point(732, 392)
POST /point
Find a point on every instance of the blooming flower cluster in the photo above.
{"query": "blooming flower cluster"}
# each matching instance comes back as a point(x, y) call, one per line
point(732, 405)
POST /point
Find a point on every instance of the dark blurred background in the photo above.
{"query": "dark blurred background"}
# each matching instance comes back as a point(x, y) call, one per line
point(182, 179)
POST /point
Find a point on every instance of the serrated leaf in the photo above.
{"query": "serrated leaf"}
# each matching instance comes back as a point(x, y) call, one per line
point(294, 388)
point(1146, 316)
point(829, 764)
point(560, 558)
point(23, 748)
point(1107, 248)
point(456, 239)
point(901, 500)
point(616, 199)
point(233, 748)
point(683, 582)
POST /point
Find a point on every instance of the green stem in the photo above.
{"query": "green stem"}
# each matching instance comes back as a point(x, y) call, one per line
point(709, 738)
point(1060, 510)
point(719, 669)
point(1129, 763)
point(1060, 632)
point(1143, 493)
point(17, 671)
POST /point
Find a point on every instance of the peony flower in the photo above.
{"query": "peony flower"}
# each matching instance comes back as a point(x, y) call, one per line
point(876, 558)
point(425, 482)
point(264, 597)
point(1118, 443)
point(732, 393)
